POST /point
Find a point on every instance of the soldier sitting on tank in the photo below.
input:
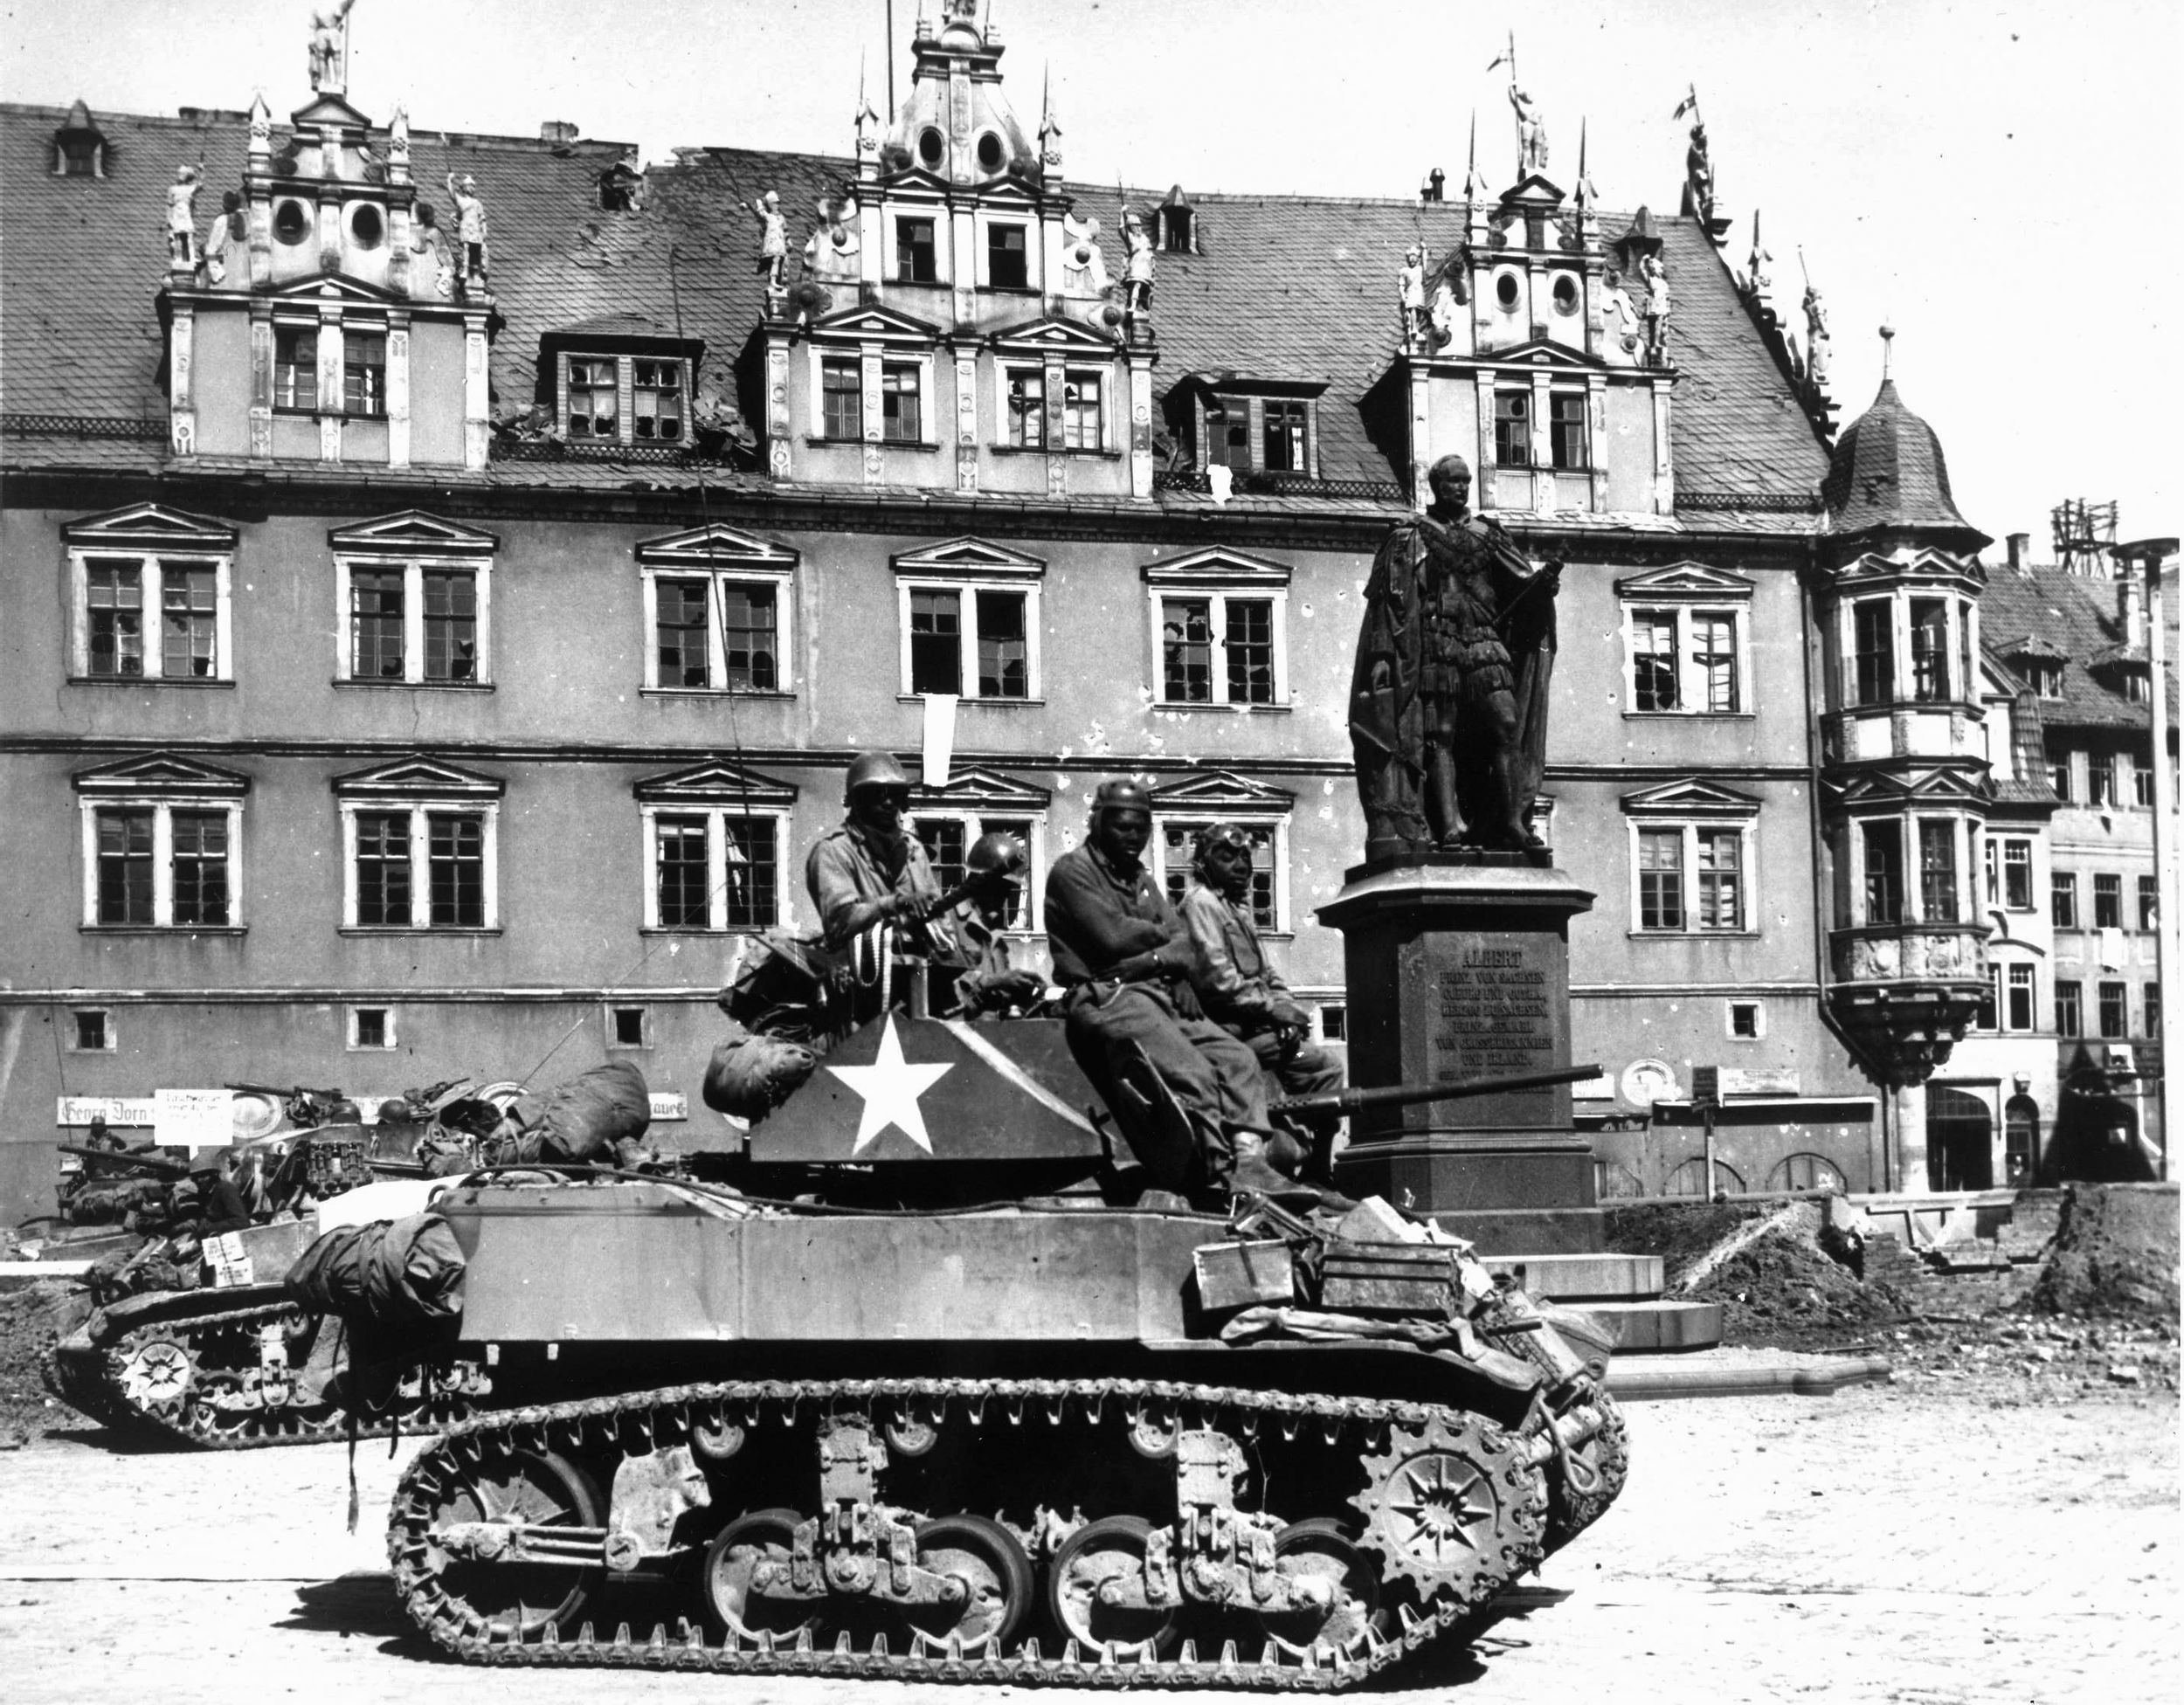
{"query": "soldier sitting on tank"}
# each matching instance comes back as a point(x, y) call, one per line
point(1238, 986)
point(989, 983)
point(219, 1204)
point(869, 868)
point(1125, 959)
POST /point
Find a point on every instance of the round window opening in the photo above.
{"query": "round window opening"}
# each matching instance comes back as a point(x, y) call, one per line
point(1505, 291)
point(992, 155)
point(930, 148)
point(367, 227)
point(291, 223)
point(1565, 294)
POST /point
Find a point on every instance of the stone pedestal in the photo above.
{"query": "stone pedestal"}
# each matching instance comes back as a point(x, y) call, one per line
point(1459, 968)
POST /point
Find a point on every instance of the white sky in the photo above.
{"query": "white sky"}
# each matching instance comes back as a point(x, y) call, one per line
point(1996, 181)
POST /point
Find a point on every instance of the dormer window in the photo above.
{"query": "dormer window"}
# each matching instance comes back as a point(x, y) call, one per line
point(1175, 225)
point(1285, 436)
point(916, 260)
point(1006, 257)
point(1262, 425)
point(2046, 679)
point(78, 149)
point(625, 399)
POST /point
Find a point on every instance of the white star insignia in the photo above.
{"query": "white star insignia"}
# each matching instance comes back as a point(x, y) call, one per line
point(890, 1086)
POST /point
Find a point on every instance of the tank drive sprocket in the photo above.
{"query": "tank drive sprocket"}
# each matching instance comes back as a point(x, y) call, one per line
point(1452, 1505)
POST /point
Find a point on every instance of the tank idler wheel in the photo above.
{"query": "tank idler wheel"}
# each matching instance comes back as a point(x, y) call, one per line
point(748, 1548)
point(534, 1489)
point(1320, 1551)
point(996, 1575)
point(1095, 1589)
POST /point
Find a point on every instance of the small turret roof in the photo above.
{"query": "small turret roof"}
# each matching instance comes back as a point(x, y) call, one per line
point(1888, 473)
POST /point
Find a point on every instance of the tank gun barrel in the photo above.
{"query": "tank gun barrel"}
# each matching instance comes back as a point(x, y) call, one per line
point(123, 1159)
point(1409, 1095)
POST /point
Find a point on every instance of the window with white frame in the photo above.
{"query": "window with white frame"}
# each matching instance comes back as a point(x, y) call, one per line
point(1687, 659)
point(1175, 839)
point(1691, 870)
point(1219, 630)
point(162, 840)
point(902, 410)
point(152, 592)
point(2009, 872)
point(296, 368)
point(1083, 415)
point(713, 867)
point(1025, 388)
point(419, 848)
point(968, 614)
point(415, 595)
point(717, 610)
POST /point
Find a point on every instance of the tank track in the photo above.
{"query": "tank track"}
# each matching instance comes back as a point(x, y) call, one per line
point(1381, 1440)
point(117, 1393)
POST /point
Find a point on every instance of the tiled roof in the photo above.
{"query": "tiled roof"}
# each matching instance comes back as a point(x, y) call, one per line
point(1888, 471)
point(1288, 286)
point(2083, 617)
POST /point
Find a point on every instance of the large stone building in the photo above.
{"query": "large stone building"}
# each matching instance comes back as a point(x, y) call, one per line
point(431, 637)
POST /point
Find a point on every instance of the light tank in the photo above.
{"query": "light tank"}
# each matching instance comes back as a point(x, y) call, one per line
point(921, 1384)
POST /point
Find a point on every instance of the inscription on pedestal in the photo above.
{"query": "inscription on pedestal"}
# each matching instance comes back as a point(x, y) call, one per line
point(1495, 1016)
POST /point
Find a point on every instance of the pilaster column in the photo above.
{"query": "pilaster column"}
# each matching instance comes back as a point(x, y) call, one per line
point(1422, 436)
point(261, 379)
point(1663, 462)
point(1543, 476)
point(398, 389)
point(477, 394)
point(1140, 422)
point(182, 412)
point(966, 417)
point(780, 459)
point(1484, 477)
point(1057, 465)
point(1596, 438)
point(331, 387)
point(868, 382)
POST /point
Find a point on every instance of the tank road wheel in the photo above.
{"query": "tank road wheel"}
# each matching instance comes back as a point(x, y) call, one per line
point(536, 1488)
point(760, 1540)
point(1438, 1512)
point(1081, 1587)
point(1319, 1549)
point(996, 1580)
point(157, 1374)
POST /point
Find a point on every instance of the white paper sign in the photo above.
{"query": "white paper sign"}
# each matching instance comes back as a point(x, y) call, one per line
point(229, 1261)
point(940, 738)
point(670, 1104)
point(193, 1118)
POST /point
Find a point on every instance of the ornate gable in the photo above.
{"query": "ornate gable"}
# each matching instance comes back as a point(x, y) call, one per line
point(1688, 798)
point(160, 772)
point(873, 322)
point(417, 777)
point(1048, 334)
point(716, 782)
point(1685, 580)
point(1215, 565)
point(966, 558)
point(149, 527)
point(713, 545)
point(984, 791)
point(1939, 785)
point(413, 532)
point(1221, 793)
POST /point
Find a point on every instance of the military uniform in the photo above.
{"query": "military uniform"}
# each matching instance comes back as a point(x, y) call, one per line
point(1243, 993)
point(1098, 914)
point(850, 873)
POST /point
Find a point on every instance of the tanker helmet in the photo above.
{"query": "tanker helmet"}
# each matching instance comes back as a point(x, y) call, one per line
point(1120, 795)
point(873, 770)
point(1213, 835)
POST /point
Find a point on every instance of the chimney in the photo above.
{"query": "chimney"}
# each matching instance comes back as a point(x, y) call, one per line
point(1430, 190)
point(557, 130)
point(2019, 543)
point(2134, 605)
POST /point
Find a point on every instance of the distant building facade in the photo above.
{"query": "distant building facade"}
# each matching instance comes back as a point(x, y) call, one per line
point(435, 633)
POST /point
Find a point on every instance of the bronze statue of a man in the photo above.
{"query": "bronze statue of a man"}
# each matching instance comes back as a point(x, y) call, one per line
point(1449, 697)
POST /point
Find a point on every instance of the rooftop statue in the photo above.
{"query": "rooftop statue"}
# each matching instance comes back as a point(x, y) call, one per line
point(330, 48)
point(1449, 694)
point(1656, 277)
point(1816, 339)
point(1698, 171)
point(470, 231)
point(181, 216)
point(1410, 291)
point(224, 236)
point(1137, 269)
point(1531, 132)
point(773, 240)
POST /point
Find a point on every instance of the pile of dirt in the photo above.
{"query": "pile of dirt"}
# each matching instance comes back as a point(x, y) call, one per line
point(1764, 1262)
point(31, 1319)
point(2115, 1255)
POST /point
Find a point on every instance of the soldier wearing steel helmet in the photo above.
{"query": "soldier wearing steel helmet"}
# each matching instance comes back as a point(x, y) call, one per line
point(1124, 959)
point(989, 983)
point(869, 868)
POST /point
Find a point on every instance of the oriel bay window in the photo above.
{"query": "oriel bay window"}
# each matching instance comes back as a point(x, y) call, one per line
point(1930, 650)
point(1883, 844)
point(1938, 869)
point(1873, 652)
point(717, 608)
point(1895, 639)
